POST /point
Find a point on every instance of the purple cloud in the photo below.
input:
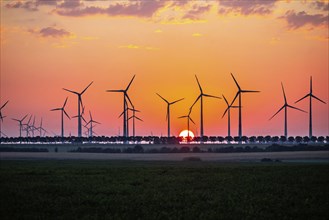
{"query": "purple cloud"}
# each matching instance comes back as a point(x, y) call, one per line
point(297, 20)
point(261, 7)
point(28, 5)
point(321, 5)
point(51, 32)
point(197, 11)
point(70, 4)
point(135, 8)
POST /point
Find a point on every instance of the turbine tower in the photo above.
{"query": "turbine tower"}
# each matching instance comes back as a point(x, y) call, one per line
point(168, 110)
point(2, 117)
point(285, 107)
point(201, 104)
point(228, 110)
point(20, 124)
point(79, 104)
point(239, 93)
point(125, 97)
point(62, 116)
point(311, 96)
point(188, 123)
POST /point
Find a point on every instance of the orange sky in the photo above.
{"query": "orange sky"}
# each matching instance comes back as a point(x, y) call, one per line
point(50, 45)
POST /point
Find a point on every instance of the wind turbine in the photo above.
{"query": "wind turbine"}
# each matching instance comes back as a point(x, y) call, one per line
point(311, 96)
point(201, 104)
point(20, 124)
point(40, 128)
point(2, 117)
point(239, 93)
point(228, 110)
point(168, 110)
point(28, 126)
point(188, 123)
point(62, 116)
point(285, 107)
point(134, 117)
point(125, 95)
point(79, 104)
point(91, 121)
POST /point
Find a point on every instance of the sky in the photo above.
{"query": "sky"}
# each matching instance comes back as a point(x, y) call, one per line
point(50, 45)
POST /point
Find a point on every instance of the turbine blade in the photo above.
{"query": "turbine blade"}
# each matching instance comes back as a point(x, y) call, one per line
point(130, 83)
point(212, 96)
point(138, 118)
point(15, 119)
point(296, 108)
point(191, 120)
point(176, 101)
point(249, 91)
point(284, 94)
point(24, 117)
point(302, 98)
point(235, 97)
point(226, 100)
point(86, 87)
point(311, 89)
point(115, 90)
point(129, 100)
point(83, 119)
point(162, 98)
point(96, 122)
point(71, 91)
point(122, 114)
point(197, 80)
point(277, 112)
point(237, 84)
point(55, 109)
point(225, 112)
point(65, 102)
point(28, 122)
point(195, 101)
point(4, 105)
point(185, 116)
point(318, 99)
point(90, 115)
point(66, 114)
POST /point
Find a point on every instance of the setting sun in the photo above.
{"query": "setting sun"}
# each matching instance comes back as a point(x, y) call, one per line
point(185, 133)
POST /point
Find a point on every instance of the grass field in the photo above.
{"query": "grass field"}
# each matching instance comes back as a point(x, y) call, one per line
point(162, 190)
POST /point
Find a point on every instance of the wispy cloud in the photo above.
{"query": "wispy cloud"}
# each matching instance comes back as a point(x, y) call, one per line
point(133, 8)
point(136, 47)
point(197, 11)
point(300, 19)
point(324, 6)
point(250, 7)
point(28, 5)
point(197, 35)
point(51, 32)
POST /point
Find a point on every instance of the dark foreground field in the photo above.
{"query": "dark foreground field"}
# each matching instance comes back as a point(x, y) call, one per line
point(162, 190)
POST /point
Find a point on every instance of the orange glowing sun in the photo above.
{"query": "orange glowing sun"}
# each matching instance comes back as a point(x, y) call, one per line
point(185, 134)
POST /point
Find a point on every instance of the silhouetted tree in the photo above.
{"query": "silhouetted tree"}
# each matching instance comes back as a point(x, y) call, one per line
point(306, 139)
point(291, 139)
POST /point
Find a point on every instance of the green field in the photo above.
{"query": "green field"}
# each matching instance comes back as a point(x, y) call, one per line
point(162, 190)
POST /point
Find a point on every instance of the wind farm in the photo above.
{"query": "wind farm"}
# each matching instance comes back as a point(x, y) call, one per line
point(153, 109)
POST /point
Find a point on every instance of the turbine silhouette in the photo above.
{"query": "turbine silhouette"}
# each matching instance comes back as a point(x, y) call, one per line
point(285, 107)
point(79, 104)
point(311, 96)
point(168, 110)
point(240, 91)
point(188, 116)
point(20, 124)
point(228, 110)
point(125, 96)
point(201, 104)
point(62, 109)
point(1, 118)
